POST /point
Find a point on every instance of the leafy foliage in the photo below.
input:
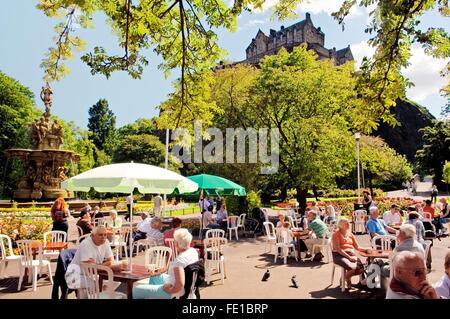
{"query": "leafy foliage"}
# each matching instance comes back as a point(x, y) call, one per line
point(101, 124)
point(182, 32)
point(436, 149)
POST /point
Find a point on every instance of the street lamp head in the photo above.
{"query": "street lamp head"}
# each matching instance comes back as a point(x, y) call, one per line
point(357, 136)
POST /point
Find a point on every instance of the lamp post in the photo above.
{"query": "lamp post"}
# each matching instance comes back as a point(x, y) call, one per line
point(357, 138)
point(166, 164)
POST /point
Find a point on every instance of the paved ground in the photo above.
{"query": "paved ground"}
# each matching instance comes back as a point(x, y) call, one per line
point(423, 191)
point(246, 262)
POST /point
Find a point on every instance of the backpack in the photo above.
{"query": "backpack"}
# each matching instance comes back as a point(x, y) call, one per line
point(196, 270)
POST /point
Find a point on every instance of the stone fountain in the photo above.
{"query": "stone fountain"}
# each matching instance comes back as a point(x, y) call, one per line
point(45, 163)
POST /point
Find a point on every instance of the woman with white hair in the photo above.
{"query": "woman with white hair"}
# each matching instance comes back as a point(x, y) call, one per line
point(344, 246)
point(167, 286)
point(114, 221)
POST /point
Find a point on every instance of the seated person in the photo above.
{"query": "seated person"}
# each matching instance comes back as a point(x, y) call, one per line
point(114, 222)
point(428, 208)
point(302, 223)
point(84, 222)
point(96, 213)
point(406, 239)
point(442, 287)
point(330, 213)
point(155, 233)
point(377, 226)
point(208, 221)
point(170, 285)
point(281, 219)
point(317, 230)
point(94, 249)
point(176, 224)
point(344, 245)
point(392, 216)
point(413, 219)
point(142, 228)
point(409, 280)
point(222, 216)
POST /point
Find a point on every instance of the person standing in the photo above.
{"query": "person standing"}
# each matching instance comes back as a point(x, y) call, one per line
point(367, 200)
point(434, 193)
point(130, 201)
point(157, 202)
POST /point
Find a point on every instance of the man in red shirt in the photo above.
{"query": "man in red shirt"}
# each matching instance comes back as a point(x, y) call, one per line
point(428, 208)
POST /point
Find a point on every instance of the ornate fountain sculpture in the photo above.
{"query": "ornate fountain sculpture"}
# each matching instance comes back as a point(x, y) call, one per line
point(45, 163)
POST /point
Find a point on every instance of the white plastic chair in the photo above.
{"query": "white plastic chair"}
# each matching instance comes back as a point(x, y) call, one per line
point(53, 236)
point(360, 220)
point(385, 242)
point(147, 243)
point(171, 243)
point(6, 257)
point(34, 266)
point(427, 250)
point(92, 281)
point(271, 236)
point(283, 246)
point(119, 242)
point(427, 217)
point(324, 247)
point(342, 279)
point(159, 256)
point(293, 222)
point(241, 221)
point(214, 259)
point(99, 222)
point(80, 231)
point(233, 226)
point(81, 238)
point(214, 233)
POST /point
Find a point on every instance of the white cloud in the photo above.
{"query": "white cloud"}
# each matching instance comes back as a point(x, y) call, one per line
point(254, 22)
point(424, 72)
point(360, 50)
point(320, 6)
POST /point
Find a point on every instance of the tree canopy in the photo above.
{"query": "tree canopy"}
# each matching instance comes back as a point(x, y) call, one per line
point(101, 124)
point(183, 33)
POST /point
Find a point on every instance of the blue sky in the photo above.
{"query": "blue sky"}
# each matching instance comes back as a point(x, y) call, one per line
point(26, 34)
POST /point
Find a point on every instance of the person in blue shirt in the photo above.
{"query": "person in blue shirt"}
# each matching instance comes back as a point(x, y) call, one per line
point(376, 226)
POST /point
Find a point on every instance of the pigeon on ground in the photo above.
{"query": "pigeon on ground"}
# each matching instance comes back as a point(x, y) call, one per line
point(294, 282)
point(266, 275)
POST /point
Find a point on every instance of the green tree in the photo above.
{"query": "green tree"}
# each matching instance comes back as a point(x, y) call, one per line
point(145, 149)
point(102, 125)
point(382, 166)
point(17, 110)
point(435, 150)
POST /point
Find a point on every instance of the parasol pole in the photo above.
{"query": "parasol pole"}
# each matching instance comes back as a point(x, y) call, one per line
point(130, 237)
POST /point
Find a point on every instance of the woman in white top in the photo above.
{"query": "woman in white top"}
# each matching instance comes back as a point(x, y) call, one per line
point(167, 286)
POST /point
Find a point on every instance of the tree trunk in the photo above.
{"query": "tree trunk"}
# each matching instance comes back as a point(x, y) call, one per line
point(370, 183)
point(283, 193)
point(316, 195)
point(301, 198)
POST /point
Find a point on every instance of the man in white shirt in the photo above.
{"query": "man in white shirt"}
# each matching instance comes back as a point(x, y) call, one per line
point(392, 216)
point(157, 201)
point(142, 228)
point(94, 249)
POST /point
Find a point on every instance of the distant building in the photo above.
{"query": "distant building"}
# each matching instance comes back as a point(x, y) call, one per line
point(292, 36)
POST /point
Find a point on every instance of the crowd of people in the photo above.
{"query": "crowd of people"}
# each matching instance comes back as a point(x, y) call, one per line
point(406, 270)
